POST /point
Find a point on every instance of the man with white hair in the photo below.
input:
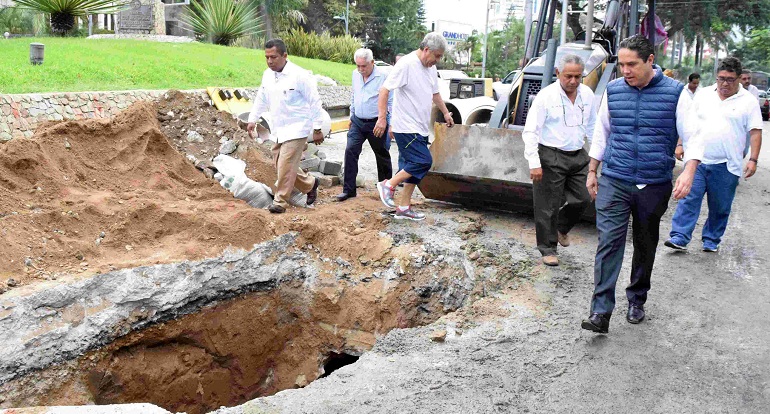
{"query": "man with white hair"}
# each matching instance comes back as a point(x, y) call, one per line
point(414, 80)
point(367, 80)
point(558, 124)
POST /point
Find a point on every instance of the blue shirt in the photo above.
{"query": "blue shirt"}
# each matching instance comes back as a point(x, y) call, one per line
point(365, 94)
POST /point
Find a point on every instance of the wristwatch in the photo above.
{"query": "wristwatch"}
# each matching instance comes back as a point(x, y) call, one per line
point(317, 130)
point(755, 160)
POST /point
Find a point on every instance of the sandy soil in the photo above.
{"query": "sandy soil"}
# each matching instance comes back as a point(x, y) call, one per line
point(84, 197)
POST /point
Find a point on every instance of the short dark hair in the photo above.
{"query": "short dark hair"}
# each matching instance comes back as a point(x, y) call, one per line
point(730, 64)
point(639, 44)
point(693, 76)
point(746, 71)
point(278, 44)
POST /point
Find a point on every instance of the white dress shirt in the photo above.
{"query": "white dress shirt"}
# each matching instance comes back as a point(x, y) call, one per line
point(291, 97)
point(722, 125)
point(754, 91)
point(555, 121)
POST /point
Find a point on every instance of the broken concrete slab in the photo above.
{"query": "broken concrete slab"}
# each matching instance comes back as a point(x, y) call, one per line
point(45, 325)
point(312, 149)
point(330, 167)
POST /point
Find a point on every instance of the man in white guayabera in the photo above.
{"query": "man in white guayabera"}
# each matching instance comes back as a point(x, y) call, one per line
point(289, 93)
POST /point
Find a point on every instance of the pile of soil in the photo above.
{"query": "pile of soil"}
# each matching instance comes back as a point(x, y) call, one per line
point(85, 197)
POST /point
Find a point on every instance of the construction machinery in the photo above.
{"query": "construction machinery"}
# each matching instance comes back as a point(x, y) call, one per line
point(480, 161)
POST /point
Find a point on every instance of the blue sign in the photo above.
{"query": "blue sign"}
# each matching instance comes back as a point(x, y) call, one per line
point(455, 35)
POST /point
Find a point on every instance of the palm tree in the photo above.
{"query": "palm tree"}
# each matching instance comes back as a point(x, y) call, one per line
point(282, 12)
point(64, 12)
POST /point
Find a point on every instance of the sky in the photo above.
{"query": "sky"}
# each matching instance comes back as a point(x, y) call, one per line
point(465, 11)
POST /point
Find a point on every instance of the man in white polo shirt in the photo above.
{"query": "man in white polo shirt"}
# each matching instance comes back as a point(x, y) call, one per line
point(746, 82)
point(558, 124)
point(720, 121)
point(414, 81)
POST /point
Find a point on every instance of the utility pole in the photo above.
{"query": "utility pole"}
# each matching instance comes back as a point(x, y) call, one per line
point(589, 24)
point(486, 39)
point(528, 27)
point(563, 34)
point(347, 16)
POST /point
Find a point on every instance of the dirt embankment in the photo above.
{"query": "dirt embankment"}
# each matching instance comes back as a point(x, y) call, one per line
point(86, 197)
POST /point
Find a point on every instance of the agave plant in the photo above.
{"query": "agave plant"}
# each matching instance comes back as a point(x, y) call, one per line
point(222, 22)
point(64, 12)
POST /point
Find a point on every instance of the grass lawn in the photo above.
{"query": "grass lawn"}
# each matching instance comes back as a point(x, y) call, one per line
point(78, 64)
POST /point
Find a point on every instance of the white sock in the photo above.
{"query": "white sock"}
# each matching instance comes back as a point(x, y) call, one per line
point(387, 182)
point(402, 208)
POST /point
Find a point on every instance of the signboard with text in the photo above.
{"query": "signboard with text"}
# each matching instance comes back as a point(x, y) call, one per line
point(138, 18)
point(453, 32)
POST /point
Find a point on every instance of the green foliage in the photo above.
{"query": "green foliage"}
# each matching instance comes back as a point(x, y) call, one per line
point(323, 46)
point(505, 49)
point(754, 50)
point(16, 20)
point(64, 12)
point(222, 22)
point(77, 64)
point(393, 26)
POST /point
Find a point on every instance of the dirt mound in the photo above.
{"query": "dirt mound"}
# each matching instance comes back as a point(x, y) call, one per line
point(86, 197)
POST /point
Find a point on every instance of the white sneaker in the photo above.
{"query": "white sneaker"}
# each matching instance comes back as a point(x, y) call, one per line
point(408, 214)
point(386, 194)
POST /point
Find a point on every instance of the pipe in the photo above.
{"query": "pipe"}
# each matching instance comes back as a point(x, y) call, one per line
point(550, 60)
point(563, 34)
point(590, 24)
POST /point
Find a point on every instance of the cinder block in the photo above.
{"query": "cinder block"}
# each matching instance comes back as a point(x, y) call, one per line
point(310, 164)
point(330, 167)
point(326, 181)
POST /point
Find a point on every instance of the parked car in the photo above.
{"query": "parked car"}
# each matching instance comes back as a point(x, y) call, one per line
point(764, 104)
point(503, 88)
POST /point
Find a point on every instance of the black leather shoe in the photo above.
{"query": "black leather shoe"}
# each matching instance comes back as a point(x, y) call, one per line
point(597, 322)
point(635, 313)
point(344, 196)
point(313, 194)
point(276, 209)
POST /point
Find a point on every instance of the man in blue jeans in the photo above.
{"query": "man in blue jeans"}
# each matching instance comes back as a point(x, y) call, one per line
point(367, 80)
point(639, 121)
point(414, 82)
point(721, 119)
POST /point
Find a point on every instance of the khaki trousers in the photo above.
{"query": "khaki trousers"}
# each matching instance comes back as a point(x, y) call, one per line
point(286, 157)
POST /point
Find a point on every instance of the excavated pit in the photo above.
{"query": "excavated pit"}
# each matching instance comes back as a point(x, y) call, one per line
point(190, 299)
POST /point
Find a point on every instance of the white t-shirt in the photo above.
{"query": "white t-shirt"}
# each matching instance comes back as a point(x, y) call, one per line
point(754, 91)
point(413, 85)
point(721, 126)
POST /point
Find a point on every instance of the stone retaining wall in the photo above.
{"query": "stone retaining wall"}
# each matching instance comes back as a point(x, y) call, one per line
point(21, 114)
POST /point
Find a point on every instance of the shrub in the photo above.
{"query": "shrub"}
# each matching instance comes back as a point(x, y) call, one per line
point(315, 46)
point(64, 12)
point(222, 22)
point(16, 20)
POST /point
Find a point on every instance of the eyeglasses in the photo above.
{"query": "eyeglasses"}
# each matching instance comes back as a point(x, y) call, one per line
point(581, 105)
point(728, 81)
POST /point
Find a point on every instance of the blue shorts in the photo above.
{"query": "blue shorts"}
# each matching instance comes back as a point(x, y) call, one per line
point(414, 155)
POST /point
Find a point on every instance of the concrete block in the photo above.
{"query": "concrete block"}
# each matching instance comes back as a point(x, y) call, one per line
point(312, 149)
point(330, 167)
point(321, 155)
point(326, 181)
point(310, 164)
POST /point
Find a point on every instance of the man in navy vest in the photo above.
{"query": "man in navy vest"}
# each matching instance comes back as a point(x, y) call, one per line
point(639, 122)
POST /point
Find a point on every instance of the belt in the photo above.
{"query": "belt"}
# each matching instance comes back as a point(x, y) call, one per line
point(575, 152)
point(367, 120)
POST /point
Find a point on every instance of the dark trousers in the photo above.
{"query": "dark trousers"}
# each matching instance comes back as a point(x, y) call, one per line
point(564, 178)
point(359, 132)
point(616, 201)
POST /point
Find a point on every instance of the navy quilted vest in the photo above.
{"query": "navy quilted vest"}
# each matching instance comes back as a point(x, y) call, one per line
point(643, 136)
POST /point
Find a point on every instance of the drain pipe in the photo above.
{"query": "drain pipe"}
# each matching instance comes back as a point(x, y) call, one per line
point(550, 59)
point(589, 24)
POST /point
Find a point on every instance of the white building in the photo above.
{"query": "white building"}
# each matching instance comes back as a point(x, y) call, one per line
point(499, 12)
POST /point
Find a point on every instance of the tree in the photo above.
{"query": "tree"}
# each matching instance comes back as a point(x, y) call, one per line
point(222, 22)
point(280, 14)
point(393, 26)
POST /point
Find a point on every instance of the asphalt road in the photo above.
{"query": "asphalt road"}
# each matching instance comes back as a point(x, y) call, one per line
point(704, 347)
